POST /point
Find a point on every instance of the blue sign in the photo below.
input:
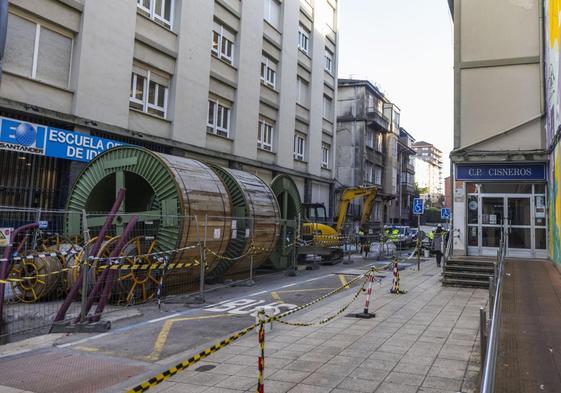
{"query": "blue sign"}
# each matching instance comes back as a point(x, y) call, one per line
point(47, 141)
point(490, 172)
point(418, 206)
point(43, 224)
point(445, 213)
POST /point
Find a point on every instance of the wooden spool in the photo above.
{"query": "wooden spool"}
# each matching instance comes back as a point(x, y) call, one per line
point(263, 216)
point(202, 194)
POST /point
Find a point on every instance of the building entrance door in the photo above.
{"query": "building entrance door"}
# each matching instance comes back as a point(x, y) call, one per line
point(491, 215)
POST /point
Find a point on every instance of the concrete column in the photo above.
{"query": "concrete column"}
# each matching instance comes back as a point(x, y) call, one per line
point(287, 79)
point(249, 79)
point(104, 50)
point(191, 81)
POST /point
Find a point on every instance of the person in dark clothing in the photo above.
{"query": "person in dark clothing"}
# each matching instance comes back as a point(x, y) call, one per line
point(437, 244)
point(363, 239)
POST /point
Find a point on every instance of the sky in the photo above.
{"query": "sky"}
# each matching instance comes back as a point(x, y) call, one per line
point(405, 47)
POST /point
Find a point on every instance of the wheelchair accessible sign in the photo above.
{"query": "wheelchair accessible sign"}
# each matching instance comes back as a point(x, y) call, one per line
point(418, 206)
point(47, 141)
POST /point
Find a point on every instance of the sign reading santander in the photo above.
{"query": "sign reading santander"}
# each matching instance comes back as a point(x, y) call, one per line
point(47, 141)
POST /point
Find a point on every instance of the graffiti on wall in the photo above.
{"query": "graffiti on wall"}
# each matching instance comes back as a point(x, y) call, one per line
point(555, 205)
point(553, 122)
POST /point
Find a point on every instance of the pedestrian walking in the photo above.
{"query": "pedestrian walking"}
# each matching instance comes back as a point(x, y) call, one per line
point(364, 246)
point(437, 244)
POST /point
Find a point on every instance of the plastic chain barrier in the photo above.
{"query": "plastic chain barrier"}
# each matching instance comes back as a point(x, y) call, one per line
point(145, 266)
point(137, 257)
point(327, 319)
point(144, 386)
point(41, 255)
point(21, 279)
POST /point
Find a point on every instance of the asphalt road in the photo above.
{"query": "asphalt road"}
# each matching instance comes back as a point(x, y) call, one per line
point(156, 335)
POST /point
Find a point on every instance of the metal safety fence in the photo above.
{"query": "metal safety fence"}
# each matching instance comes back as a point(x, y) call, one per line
point(62, 268)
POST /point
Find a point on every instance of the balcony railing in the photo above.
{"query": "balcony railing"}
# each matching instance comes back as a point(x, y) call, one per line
point(373, 115)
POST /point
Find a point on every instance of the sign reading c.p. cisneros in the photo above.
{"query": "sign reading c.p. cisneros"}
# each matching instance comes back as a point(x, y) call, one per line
point(418, 206)
point(47, 141)
point(502, 171)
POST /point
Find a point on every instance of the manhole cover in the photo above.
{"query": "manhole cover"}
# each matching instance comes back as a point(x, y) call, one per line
point(206, 367)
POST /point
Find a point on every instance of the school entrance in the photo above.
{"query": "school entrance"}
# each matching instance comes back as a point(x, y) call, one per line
point(518, 210)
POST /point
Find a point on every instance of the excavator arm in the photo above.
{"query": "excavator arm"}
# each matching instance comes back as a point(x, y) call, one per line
point(348, 196)
point(367, 207)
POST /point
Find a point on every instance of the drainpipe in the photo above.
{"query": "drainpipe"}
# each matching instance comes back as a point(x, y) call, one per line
point(3, 31)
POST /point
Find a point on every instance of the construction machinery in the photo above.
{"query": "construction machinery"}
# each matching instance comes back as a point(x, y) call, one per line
point(319, 237)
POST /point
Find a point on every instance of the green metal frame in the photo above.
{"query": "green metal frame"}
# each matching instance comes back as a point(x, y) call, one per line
point(164, 207)
point(290, 204)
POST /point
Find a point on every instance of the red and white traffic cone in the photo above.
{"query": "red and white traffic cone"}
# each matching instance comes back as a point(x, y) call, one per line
point(365, 314)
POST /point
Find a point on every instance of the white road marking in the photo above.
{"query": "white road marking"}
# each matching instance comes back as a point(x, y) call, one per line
point(130, 327)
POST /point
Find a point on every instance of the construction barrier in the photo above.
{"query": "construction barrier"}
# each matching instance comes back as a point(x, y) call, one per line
point(144, 386)
point(261, 359)
point(395, 289)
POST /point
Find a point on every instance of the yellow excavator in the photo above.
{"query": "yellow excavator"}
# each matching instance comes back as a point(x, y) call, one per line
point(324, 239)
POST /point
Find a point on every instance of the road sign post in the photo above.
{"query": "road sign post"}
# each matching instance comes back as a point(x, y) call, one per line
point(418, 210)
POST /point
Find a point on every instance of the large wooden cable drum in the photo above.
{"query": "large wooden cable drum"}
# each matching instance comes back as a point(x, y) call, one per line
point(257, 221)
point(171, 196)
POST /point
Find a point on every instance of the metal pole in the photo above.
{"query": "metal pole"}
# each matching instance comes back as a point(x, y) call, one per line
point(5, 266)
point(108, 283)
point(418, 242)
point(491, 294)
point(95, 249)
point(482, 334)
point(294, 270)
point(202, 265)
point(85, 267)
point(252, 223)
point(202, 257)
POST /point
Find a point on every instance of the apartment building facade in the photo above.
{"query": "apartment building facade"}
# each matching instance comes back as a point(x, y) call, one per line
point(243, 84)
point(428, 167)
point(406, 179)
point(372, 148)
point(499, 161)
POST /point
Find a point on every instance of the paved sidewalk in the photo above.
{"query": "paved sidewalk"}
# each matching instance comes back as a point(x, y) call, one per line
point(423, 341)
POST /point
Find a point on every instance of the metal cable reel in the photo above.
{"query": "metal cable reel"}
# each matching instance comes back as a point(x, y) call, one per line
point(75, 264)
point(139, 285)
point(67, 249)
point(35, 278)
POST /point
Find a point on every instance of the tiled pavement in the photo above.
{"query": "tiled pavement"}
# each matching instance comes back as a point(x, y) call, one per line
point(422, 341)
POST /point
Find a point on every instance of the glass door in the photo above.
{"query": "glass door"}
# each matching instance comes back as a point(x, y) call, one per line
point(519, 214)
point(491, 220)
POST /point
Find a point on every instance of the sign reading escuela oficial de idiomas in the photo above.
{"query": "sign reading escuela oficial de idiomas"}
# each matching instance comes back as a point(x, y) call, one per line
point(490, 172)
point(47, 141)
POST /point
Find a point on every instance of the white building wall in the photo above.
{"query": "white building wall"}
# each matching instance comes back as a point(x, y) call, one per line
point(112, 36)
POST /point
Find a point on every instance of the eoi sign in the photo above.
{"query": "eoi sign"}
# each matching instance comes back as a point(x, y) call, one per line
point(495, 172)
point(47, 141)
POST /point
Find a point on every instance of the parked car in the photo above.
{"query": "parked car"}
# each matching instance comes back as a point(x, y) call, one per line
point(414, 233)
point(404, 235)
